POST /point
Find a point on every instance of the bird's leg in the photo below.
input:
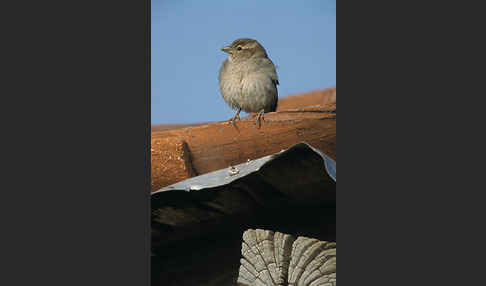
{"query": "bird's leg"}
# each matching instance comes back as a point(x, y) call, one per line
point(259, 117)
point(237, 116)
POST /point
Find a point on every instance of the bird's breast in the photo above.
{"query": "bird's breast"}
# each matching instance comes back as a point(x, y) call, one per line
point(250, 91)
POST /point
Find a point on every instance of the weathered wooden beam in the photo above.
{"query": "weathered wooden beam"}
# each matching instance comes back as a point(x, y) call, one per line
point(321, 97)
point(164, 127)
point(218, 145)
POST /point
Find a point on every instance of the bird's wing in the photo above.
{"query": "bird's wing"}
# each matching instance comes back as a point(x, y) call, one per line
point(275, 83)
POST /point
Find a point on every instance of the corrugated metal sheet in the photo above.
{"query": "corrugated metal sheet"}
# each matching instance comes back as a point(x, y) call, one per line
point(225, 176)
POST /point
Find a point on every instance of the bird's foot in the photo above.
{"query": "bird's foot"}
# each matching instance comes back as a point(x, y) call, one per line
point(259, 118)
point(234, 118)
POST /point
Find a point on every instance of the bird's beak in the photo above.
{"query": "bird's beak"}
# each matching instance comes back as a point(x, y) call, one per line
point(227, 49)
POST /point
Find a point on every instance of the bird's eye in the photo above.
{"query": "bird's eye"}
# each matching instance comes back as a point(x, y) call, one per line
point(238, 48)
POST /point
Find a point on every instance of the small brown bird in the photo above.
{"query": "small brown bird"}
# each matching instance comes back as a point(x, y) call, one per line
point(248, 79)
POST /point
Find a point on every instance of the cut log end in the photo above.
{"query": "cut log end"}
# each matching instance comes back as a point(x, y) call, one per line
point(171, 161)
point(278, 259)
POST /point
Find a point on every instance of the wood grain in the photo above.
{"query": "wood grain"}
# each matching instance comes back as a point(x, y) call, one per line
point(309, 117)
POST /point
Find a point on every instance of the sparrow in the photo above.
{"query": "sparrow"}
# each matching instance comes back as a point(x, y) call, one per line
point(248, 79)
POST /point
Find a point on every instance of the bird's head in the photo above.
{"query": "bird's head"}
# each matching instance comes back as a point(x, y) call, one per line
point(243, 49)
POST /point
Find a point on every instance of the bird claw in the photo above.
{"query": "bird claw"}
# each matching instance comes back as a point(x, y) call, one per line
point(234, 118)
point(260, 117)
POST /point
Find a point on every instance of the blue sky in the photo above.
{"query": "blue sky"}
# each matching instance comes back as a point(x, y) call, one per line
point(299, 36)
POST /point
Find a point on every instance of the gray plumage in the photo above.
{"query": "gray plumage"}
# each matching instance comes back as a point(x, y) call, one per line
point(248, 79)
